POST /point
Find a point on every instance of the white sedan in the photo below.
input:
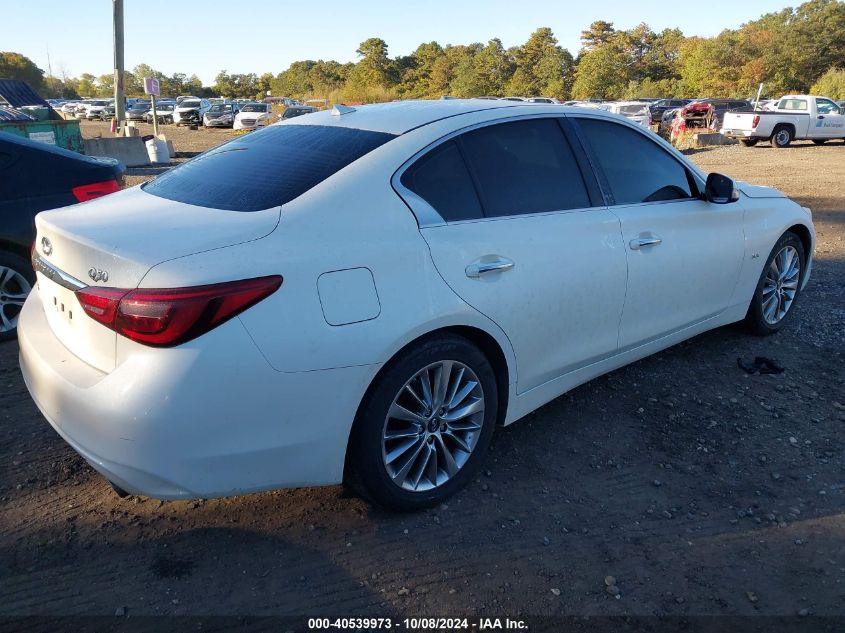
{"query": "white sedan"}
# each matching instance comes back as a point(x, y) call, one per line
point(253, 116)
point(368, 307)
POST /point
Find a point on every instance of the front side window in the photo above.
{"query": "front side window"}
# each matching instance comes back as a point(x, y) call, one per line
point(637, 169)
point(524, 167)
point(826, 106)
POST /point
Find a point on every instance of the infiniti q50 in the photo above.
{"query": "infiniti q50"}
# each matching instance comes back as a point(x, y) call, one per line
point(363, 295)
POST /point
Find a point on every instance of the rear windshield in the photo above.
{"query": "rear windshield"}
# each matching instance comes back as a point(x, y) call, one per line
point(266, 168)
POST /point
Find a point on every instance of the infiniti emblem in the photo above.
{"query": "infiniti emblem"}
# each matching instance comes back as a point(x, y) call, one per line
point(98, 275)
point(46, 246)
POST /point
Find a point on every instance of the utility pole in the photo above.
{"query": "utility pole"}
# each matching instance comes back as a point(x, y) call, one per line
point(119, 113)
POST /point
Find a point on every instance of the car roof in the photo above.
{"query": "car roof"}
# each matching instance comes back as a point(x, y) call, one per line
point(398, 117)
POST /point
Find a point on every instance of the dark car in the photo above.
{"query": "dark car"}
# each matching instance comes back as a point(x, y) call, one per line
point(35, 177)
point(293, 111)
point(221, 115)
point(660, 106)
point(137, 111)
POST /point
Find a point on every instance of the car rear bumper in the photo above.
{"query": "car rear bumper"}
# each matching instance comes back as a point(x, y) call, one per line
point(207, 419)
point(741, 134)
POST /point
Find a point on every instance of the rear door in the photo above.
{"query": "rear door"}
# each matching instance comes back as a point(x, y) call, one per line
point(684, 254)
point(526, 241)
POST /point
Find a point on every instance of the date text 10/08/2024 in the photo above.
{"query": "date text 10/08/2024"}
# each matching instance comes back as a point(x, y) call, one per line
point(418, 624)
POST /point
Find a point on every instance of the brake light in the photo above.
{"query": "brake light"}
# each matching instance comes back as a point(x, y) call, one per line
point(755, 121)
point(172, 316)
point(83, 193)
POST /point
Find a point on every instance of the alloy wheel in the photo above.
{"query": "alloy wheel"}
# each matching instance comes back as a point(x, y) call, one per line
point(432, 426)
point(781, 284)
point(14, 288)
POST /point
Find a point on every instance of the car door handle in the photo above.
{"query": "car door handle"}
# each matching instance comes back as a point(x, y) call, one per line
point(478, 268)
point(637, 243)
point(821, 116)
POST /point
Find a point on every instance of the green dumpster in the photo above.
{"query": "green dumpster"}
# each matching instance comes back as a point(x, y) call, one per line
point(47, 126)
point(61, 133)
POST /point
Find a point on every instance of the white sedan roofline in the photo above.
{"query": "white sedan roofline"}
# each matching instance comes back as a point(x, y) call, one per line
point(399, 117)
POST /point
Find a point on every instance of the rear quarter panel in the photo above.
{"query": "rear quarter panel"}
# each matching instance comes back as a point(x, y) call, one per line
point(352, 220)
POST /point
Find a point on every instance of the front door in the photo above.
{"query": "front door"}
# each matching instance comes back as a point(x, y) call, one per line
point(829, 122)
point(523, 243)
point(684, 254)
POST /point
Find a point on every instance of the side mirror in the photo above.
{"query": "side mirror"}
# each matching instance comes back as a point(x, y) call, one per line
point(720, 189)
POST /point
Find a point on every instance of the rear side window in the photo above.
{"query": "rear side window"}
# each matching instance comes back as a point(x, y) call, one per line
point(266, 168)
point(524, 167)
point(793, 104)
point(636, 168)
point(441, 179)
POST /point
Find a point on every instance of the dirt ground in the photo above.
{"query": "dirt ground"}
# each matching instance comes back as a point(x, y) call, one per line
point(700, 489)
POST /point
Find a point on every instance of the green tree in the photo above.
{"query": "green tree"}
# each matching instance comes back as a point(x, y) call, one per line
point(831, 84)
point(86, 85)
point(600, 32)
point(17, 66)
point(541, 67)
point(294, 82)
point(234, 86)
point(603, 72)
point(104, 86)
point(417, 78)
point(493, 67)
point(373, 75)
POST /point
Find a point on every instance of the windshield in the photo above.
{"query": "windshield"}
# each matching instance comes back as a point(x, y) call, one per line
point(189, 104)
point(219, 107)
point(254, 107)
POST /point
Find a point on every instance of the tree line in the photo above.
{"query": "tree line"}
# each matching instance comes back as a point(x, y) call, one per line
point(793, 50)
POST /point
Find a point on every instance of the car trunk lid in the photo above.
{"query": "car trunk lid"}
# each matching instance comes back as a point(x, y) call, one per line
point(113, 242)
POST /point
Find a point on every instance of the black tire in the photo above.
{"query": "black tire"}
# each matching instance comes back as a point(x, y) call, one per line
point(819, 141)
point(781, 136)
point(22, 267)
point(748, 142)
point(366, 472)
point(754, 319)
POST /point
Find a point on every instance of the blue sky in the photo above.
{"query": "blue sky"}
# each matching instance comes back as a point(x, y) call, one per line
point(204, 37)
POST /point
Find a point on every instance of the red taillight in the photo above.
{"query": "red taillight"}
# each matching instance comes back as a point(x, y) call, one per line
point(755, 121)
point(84, 193)
point(171, 316)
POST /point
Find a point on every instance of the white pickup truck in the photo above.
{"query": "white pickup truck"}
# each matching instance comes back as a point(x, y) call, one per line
point(818, 119)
